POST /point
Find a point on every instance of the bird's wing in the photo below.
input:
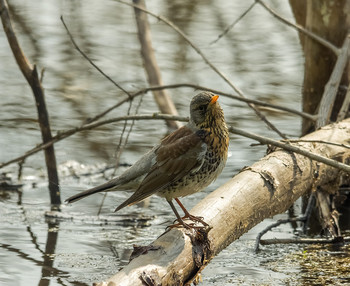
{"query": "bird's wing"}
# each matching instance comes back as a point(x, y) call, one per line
point(180, 153)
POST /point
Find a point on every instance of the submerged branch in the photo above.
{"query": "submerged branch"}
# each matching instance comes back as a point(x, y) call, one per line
point(302, 240)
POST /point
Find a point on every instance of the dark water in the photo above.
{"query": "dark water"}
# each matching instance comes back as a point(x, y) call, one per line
point(260, 55)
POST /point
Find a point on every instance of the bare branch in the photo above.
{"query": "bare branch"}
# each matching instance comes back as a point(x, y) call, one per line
point(25, 66)
point(91, 62)
point(31, 74)
point(317, 141)
point(300, 240)
point(258, 239)
point(301, 29)
point(234, 23)
point(292, 148)
point(264, 140)
point(199, 87)
point(64, 134)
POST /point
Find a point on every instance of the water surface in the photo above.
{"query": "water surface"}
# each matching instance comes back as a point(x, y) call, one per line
point(260, 55)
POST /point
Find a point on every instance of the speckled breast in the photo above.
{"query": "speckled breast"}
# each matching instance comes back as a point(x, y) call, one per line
point(214, 161)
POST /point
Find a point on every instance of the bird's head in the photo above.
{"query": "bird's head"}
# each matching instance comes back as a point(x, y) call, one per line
point(205, 111)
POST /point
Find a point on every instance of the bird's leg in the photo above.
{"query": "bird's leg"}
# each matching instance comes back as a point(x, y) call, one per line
point(179, 219)
point(189, 216)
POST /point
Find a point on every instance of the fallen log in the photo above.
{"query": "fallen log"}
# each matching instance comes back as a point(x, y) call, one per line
point(268, 187)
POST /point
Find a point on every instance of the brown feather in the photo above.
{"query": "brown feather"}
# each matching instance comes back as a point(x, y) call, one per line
point(178, 153)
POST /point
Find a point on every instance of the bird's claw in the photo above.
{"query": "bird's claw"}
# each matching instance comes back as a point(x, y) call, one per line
point(195, 219)
point(192, 218)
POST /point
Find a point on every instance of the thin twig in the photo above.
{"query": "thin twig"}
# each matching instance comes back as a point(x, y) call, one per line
point(90, 61)
point(317, 141)
point(292, 148)
point(120, 148)
point(264, 140)
point(199, 87)
point(271, 226)
point(64, 134)
point(301, 29)
point(272, 106)
point(234, 23)
point(304, 218)
point(206, 60)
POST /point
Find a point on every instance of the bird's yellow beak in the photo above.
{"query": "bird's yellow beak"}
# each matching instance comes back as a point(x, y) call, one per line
point(214, 99)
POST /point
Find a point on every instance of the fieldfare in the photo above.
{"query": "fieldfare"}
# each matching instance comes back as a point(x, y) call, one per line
point(185, 162)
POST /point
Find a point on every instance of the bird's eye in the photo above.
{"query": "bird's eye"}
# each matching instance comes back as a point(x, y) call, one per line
point(202, 107)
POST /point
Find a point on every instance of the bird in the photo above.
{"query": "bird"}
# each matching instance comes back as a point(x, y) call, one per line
point(184, 162)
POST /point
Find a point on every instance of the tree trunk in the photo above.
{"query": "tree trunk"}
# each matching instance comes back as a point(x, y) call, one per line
point(267, 188)
point(329, 20)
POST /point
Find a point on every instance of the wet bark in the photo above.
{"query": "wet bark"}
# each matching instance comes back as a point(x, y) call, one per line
point(262, 190)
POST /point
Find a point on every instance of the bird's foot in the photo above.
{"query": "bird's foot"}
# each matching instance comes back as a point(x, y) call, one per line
point(192, 218)
point(193, 225)
point(199, 219)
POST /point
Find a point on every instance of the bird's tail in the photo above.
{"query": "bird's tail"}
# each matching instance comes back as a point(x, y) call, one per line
point(129, 179)
point(109, 186)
